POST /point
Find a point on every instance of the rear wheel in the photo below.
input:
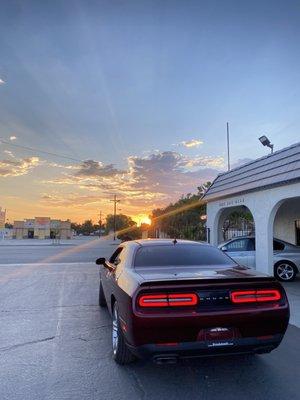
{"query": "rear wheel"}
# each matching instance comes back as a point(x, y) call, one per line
point(285, 271)
point(121, 353)
point(102, 301)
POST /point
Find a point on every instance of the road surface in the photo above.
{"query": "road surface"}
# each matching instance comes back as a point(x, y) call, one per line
point(55, 342)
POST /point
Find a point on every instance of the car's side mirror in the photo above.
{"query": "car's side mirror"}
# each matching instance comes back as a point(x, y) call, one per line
point(224, 248)
point(100, 261)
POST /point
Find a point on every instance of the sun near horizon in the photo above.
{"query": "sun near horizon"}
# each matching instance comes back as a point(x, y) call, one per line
point(142, 219)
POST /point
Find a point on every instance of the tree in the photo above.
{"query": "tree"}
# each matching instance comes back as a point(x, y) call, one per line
point(182, 218)
point(76, 227)
point(122, 221)
point(239, 220)
point(86, 228)
point(203, 188)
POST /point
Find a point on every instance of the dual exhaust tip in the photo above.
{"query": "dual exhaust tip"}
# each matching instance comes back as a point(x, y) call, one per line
point(165, 359)
point(173, 359)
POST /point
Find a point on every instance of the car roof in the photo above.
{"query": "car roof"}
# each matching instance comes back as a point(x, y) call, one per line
point(163, 242)
point(241, 237)
point(253, 237)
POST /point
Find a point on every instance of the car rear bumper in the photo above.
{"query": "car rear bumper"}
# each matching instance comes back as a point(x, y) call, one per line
point(250, 345)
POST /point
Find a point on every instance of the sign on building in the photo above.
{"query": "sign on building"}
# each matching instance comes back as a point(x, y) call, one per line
point(29, 223)
point(42, 223)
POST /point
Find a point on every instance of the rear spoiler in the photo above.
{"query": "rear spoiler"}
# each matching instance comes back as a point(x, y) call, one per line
point(221, 282)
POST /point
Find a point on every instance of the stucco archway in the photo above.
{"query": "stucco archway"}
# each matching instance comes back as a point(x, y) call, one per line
point(286, 224)
point(235, 221)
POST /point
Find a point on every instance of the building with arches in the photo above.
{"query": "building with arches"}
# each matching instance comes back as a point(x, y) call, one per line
point(268, 188)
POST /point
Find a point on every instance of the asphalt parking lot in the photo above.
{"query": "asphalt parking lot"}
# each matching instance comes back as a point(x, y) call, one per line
point(55, 341)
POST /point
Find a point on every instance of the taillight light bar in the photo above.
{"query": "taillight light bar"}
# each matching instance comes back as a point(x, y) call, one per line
point(255, 296)
point(168, 300)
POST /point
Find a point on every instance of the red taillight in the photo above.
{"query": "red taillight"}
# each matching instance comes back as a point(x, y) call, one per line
point(168, 300)
point(153, 300)
point(176, 300)
point(243, 296)
point(268, 295)
point(255, 296)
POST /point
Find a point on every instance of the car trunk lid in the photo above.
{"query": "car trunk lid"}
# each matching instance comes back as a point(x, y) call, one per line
point(198, 274)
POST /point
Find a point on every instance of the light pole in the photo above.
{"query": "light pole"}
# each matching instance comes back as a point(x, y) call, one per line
point(266, 142)
point(228, 148)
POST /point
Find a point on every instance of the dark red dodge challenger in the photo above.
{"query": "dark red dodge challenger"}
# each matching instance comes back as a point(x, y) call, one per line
point(171, 299)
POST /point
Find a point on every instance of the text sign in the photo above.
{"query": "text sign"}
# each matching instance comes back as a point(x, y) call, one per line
point(230, 203)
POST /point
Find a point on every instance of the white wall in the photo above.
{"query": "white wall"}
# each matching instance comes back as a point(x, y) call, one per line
point(284, 223)
point(263, 205)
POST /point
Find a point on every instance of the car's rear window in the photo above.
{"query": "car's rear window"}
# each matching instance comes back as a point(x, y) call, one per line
point(179, 254)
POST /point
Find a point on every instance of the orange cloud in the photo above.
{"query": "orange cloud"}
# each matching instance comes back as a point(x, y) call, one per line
point(17, 167)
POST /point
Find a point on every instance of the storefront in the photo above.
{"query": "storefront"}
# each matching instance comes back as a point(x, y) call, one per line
point(42, 228)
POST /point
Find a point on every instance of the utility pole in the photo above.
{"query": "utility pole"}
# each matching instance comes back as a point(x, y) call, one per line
point(115, 201)
point(100, 223)
point(2, 223)
point(228, 149)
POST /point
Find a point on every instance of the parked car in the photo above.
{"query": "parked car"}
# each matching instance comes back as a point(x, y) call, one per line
point(171, 299)
point(286, 255)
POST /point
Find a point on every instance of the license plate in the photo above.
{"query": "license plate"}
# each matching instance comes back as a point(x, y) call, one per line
point(218, 334)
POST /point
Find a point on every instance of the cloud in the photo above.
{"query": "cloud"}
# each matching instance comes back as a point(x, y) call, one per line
point(169, 172)
point(17, 167)
point(93, 168)
point(148, 181)
point(64, 166)
point(89, 169)
point(192, 143)
point(204, 161)
point(9, 153)
point(12, 138)
point(2, 81)
point(70, 200)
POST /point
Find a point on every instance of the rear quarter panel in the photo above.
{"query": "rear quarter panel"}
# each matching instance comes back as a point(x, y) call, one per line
point(288, 256)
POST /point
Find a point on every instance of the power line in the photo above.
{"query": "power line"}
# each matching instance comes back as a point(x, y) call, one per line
point(39, 151)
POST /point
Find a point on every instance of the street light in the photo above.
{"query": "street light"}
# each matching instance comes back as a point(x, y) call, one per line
point(266, 142)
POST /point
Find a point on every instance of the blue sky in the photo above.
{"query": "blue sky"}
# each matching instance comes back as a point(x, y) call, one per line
point(126, 82)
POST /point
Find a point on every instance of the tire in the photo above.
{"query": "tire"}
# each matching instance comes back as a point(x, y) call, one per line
point(102, 301)
point(121, 353)
point(285, 271)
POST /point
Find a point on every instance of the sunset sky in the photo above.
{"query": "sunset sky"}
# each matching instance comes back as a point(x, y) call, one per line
point(136, 95)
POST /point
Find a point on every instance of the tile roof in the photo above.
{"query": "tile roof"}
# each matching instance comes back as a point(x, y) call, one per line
point(272, 170)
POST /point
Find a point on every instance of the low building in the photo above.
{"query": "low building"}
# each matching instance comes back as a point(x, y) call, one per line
point(268, 188)
point(42, 228)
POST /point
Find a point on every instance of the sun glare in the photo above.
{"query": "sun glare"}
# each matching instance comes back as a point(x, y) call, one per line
point(142, 219)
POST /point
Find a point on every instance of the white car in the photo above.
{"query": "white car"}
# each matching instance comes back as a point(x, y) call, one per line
point(286, 255)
